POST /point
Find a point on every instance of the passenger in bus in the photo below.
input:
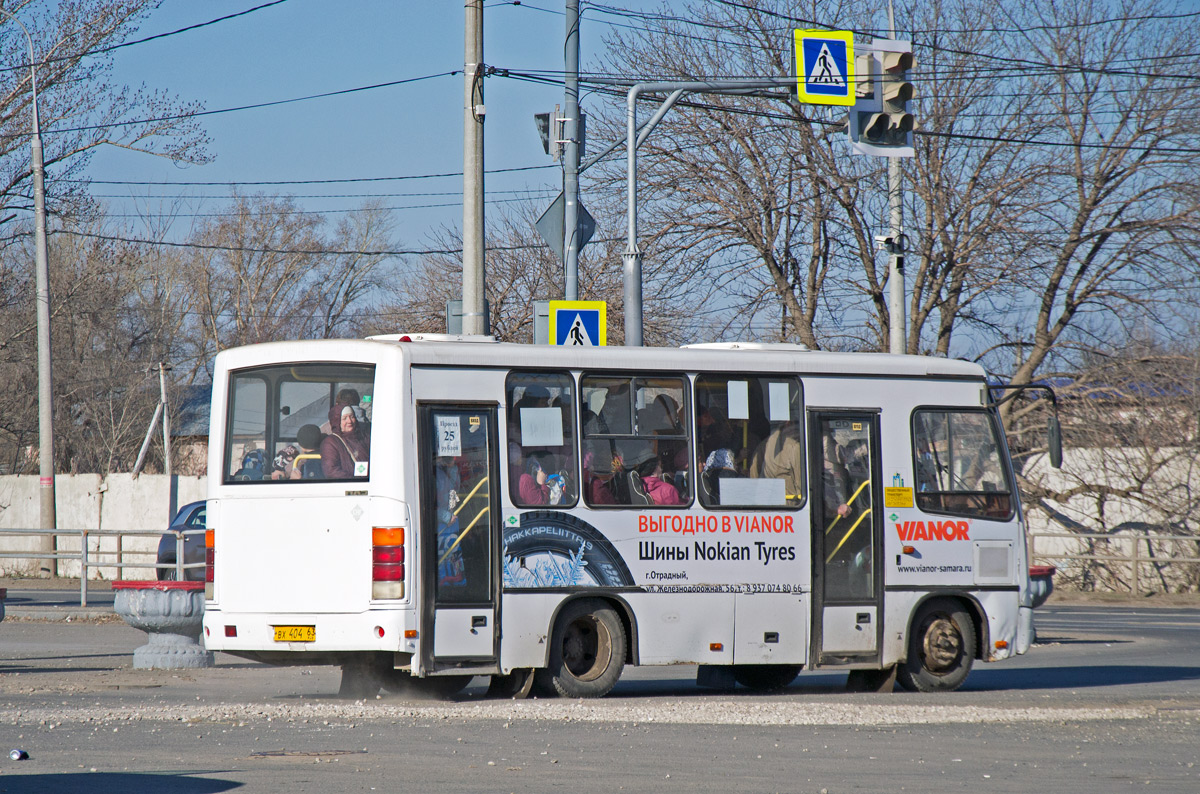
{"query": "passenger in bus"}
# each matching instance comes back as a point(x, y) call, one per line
point(781, 456)
point(716, 441)
point(716, 448)
point(345, 446)
point(597, 473)
point(284, 463)
point(615, 411)
point(533, 485)
point(448, 483)
point(254, 461)
point(836, 482)
point(309, 437)
point(647, 468)
point(927, 468)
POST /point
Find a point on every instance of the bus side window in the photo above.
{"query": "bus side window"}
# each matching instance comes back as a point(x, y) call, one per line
point(636, 441)
point(751, 448)
point(541, 439)
point(958, 466)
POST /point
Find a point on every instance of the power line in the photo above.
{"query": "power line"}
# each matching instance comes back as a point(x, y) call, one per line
point(234, 214)
point(1054, 68)
point(101, 50)
point(347, 180)
point(539, 192)
point(255, 106)
point(312, 252)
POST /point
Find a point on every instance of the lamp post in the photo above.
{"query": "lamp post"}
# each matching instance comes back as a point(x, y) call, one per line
point(45, 378)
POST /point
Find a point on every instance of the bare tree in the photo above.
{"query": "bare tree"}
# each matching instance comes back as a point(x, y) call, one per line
point(1132, 469)
point(1048, 185)
point(749, 194)
point(1117, 217)
point(357, 272)
point(521, 270)
point(102, 393)
point(264, 270)
point(81, 108)
point(252, 275)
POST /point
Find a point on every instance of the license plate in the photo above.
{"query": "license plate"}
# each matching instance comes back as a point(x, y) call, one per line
point(295, 634)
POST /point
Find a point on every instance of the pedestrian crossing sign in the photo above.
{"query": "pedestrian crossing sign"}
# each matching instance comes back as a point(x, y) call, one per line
point(578, 323)
point(825, 66)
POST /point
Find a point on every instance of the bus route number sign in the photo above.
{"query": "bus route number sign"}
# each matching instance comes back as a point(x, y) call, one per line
point(449, 436)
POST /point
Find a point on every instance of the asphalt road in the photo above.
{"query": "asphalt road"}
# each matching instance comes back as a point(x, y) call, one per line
point(1108, 700)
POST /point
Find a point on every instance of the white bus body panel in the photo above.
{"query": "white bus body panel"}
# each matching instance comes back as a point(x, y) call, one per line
point(302, 559)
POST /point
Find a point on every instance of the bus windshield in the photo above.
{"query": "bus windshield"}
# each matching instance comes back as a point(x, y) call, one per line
point(299, 422)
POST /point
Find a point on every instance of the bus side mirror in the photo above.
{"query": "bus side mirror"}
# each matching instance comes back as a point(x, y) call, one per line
point(1054, 441)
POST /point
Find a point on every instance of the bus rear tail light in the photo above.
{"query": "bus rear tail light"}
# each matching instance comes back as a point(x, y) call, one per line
point(210, 555)
point(387, 562)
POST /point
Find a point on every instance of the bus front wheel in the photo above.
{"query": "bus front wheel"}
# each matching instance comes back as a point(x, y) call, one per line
point(941, 648)
point(587, 651)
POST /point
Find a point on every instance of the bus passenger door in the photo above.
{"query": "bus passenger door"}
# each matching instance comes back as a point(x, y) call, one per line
point(459, 526)
point(847, 541)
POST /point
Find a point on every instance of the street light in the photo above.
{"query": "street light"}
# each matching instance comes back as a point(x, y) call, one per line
point(45, 378)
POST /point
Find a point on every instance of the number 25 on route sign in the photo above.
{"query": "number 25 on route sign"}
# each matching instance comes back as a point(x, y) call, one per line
point(825, 66)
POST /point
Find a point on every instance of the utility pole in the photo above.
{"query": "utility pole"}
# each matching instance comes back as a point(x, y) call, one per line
point(571, 155)
point(473, 114)
point(49, 519)
point(896, 326)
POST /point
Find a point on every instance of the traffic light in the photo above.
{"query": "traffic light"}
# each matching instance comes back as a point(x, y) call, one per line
point(880, 123)
point(892, 126)
point(549, 127)
point(864, 77)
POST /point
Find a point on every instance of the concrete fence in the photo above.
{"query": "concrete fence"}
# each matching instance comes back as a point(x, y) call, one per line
point(115, 503)
point(131, 515)
point(1126, 562)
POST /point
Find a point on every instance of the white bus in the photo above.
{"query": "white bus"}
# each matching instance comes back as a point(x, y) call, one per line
point(422, 510)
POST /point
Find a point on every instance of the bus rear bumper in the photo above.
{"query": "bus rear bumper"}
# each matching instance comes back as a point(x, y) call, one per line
point(299, 636)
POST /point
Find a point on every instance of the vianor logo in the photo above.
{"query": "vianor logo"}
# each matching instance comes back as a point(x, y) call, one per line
point(933, 530)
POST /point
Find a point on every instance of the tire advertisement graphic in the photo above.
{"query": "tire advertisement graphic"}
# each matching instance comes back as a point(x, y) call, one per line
point(552, 549)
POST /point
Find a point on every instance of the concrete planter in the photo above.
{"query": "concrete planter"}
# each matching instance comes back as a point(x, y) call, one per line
point(171, 613)
point(1041, 583)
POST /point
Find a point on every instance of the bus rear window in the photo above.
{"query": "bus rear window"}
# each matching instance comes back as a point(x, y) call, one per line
point(300, 422)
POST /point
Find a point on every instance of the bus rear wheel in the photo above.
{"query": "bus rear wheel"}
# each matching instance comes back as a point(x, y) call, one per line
point(765, 677)
point(941, 648)
point(587, 651)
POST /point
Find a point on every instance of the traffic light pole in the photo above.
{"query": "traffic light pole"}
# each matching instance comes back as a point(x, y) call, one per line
point(897, 320)
point(571, 156)
point(634, 136)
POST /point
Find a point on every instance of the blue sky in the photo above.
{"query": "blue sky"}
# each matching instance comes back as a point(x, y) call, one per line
point(304, 47)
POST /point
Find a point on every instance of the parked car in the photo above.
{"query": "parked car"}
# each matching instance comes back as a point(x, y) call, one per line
point(190, 517)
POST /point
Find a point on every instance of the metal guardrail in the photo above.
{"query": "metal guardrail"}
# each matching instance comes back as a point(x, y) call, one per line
point(1138, 556)
point(1134, 560)
point(97, 559)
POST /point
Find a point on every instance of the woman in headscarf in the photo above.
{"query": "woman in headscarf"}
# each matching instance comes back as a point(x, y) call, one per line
point(345, 451)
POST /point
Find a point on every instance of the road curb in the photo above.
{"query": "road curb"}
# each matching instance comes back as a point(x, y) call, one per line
point(57, 613)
